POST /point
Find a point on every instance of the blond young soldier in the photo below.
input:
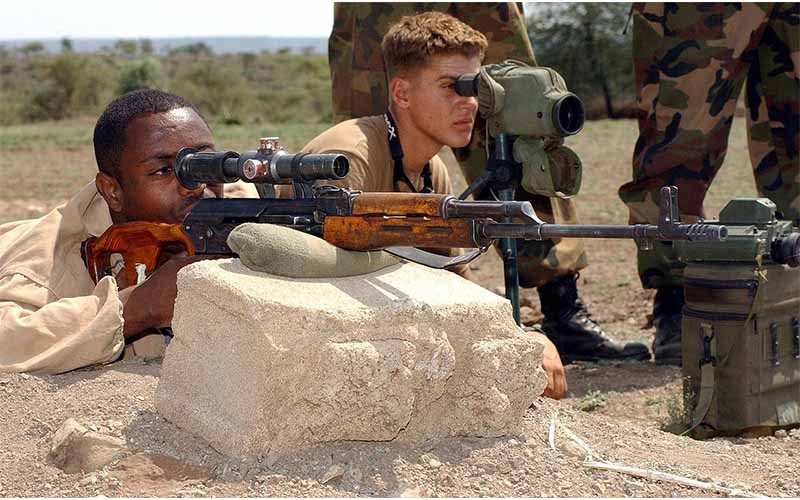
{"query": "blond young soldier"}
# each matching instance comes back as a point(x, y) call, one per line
point(396, 151)
point(360, 89)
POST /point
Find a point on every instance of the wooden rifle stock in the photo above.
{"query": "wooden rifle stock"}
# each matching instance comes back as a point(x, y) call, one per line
point(137, 243)
point(399, 204)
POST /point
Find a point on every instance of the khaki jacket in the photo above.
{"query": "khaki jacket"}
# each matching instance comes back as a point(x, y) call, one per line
point(364, 142)
point(53, 318)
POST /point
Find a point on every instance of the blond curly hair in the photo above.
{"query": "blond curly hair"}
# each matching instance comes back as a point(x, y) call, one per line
point(414, 40)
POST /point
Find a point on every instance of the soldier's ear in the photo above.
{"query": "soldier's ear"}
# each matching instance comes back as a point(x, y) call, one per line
point(110, 190)
point(398, 91)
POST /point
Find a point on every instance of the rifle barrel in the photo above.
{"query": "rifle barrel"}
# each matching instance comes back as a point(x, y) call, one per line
point(693, 232)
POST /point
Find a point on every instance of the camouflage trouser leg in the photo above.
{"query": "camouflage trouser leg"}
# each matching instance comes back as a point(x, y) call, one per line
point(690, 63)
point(360, 89)
point(772, 96)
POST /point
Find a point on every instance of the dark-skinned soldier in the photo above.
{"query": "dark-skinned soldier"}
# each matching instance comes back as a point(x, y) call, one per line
point(54, 318)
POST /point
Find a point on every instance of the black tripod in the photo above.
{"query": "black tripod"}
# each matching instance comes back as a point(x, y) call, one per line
point(500, 178)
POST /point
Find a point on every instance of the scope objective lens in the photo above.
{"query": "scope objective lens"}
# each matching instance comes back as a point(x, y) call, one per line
point(569, 115)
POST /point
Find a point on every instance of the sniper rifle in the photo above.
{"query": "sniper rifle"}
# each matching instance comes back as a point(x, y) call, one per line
point(353, 220)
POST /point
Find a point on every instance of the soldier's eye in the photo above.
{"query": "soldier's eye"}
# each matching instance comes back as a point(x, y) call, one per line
point(165, 170)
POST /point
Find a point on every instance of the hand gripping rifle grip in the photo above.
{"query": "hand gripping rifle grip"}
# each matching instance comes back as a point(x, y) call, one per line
point(137, 243)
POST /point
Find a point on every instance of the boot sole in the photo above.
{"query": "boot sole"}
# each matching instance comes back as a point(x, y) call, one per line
point(635, 358)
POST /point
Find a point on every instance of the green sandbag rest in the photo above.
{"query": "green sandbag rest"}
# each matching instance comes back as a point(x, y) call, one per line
point(283, 251)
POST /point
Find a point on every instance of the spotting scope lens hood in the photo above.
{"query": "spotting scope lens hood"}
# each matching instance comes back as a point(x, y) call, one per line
point(569, 115)
point(786, 250)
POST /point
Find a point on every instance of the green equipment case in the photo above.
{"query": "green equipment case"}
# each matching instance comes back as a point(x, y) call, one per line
point(741, 323)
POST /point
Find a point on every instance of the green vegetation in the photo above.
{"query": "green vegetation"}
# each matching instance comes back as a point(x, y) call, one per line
point(583, 41)
point(234, 88)
point(674, 410)
point(50, 161)
point(586, 44)
point(66, 134)
point(593, 400)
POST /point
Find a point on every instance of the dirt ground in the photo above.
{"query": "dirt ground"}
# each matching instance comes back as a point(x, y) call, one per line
point(165, 461)
point(619, 410)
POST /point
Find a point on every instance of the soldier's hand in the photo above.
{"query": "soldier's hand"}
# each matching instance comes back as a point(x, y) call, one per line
point(151, 304)
point(551, 362)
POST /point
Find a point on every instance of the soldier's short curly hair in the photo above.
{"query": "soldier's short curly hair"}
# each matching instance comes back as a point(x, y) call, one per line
point(414, 40)
point(109, 132)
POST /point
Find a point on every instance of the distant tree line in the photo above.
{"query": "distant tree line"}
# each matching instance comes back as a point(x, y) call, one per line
point(582, 41)
point(586, 44)
point(231, 88)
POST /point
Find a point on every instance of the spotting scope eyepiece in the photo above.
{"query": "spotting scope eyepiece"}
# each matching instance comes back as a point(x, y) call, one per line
point(467, 85)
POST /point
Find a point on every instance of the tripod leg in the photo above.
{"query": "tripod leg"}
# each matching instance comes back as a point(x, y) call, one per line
point(508, 247)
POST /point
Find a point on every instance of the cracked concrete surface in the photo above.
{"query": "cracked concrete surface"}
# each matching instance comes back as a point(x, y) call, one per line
point(264, 365)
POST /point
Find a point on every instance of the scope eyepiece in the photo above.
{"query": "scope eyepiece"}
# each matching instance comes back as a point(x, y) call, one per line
point(193, 167)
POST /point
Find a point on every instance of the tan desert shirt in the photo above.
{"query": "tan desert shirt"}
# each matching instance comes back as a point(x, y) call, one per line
point(53, 318)
point(364, 142)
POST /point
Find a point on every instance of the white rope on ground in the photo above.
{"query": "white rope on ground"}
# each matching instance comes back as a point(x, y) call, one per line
point(653, 475)
point(670, 478)
point(586, 448)
point(551, 433)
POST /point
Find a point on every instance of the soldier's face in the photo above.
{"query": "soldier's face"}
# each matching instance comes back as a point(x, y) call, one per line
point(434, 106)
point(150, 189)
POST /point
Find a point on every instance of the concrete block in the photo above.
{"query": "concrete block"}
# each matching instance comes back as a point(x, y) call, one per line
point(265, 365)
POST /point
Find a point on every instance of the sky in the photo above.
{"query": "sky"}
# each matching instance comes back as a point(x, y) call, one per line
point(38, 19)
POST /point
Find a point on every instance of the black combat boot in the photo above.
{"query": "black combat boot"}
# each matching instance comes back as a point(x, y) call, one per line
point(577, 337)
point(667, 307)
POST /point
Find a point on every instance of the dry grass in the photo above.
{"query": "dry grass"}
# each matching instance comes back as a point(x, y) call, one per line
point(42, 165)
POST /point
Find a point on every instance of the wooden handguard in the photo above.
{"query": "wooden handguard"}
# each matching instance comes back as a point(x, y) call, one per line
point(405, 204)
point(137, 243)
point(377, 232)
